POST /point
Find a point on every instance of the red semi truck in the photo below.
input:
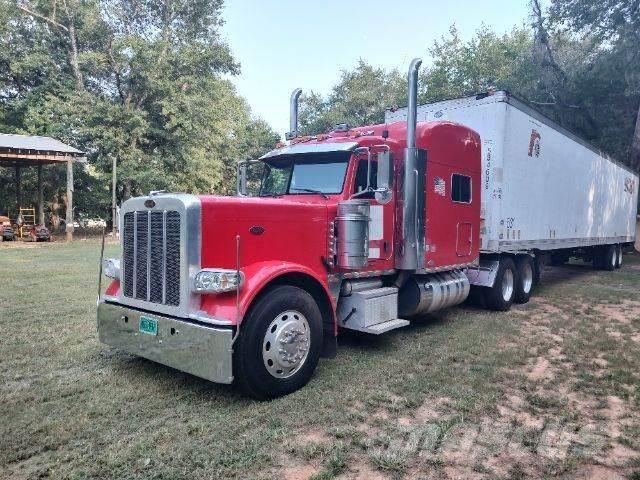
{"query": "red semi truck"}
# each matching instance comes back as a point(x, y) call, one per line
point(361, 228)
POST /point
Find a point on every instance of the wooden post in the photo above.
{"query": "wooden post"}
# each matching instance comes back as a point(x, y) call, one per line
point(69, 200)
point(40, 197)
point(114, 215)
point(18, 187)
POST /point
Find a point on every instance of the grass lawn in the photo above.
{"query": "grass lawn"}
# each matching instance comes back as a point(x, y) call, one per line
point(549, 389)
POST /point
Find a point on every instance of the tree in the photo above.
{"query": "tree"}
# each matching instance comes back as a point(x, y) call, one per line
point(141, 81)
point(487, 61)
point(359, 98)
point(615, 27)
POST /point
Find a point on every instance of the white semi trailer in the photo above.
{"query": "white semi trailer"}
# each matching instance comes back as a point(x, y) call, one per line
point(547, 195)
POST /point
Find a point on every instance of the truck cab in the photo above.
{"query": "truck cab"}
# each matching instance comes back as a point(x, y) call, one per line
point(360, 228)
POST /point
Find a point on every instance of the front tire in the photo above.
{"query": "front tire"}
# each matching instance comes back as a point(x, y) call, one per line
point(501, 295)
point(279, 344)
point(525, 278)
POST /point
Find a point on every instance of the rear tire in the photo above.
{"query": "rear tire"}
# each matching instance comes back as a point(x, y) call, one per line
point(608, 258)
point(618, 256)
point(288, 317)
point(525, 278)
point(501, 295)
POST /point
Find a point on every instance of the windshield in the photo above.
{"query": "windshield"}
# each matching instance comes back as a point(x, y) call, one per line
point(305, 173)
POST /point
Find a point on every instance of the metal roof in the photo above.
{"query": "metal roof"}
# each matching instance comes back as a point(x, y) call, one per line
point(311, 148)
point(30, 142)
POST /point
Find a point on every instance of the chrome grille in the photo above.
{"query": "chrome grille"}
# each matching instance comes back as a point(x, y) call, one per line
point(151, 256)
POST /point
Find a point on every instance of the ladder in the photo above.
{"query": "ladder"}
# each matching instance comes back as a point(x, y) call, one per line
point(28, 216)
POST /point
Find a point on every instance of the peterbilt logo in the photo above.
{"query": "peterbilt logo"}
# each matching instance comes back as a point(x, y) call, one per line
point(534, 143)
point(629, 185)
point(149, 203)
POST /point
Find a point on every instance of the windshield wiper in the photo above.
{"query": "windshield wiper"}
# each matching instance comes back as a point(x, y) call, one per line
point(271, 194)
point(311, 190)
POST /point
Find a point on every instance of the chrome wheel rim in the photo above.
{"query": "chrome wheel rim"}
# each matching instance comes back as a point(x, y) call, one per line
point(527, 277)
point(507, 285)
point(286, 344)
point(614, 258)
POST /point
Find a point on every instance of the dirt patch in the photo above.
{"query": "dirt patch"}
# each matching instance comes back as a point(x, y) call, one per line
point(540, 371)
point(623, 312)
point(298, 472)
point(597, 472)
point(315, 435)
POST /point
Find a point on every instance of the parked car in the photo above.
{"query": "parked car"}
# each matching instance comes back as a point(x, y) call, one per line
point(6, 232)
point(39, 233)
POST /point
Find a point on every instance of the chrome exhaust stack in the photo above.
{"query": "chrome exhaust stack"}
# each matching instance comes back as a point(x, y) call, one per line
point(293, 114)
point(412, 183)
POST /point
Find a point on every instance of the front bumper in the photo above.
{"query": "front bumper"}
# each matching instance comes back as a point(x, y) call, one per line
point(194, 348)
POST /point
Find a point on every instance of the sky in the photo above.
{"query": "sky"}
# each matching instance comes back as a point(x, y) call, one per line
point(285, 44)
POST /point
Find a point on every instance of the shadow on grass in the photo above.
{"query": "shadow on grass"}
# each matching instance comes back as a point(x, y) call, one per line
point(167, 379)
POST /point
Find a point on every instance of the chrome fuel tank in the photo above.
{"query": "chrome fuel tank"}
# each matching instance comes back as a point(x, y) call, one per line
point(423, 294)
point(352, 234)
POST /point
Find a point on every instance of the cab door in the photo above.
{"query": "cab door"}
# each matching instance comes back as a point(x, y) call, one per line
point(381, 224)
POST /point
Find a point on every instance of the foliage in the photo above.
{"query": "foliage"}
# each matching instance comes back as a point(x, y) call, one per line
point(359, 98)
point(141, 81)
point(578, 63)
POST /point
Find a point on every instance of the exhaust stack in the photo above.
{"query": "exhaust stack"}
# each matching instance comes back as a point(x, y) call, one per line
point(412, 107)
point(409, 255)
point(293, 115)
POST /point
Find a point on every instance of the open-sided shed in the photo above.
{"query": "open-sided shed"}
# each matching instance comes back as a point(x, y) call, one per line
point(23, 151)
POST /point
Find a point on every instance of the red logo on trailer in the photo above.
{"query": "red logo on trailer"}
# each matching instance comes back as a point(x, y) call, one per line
point(534, 143)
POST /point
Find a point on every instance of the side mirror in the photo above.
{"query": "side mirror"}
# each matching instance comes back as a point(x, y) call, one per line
point(241, 175)
point(384, 177)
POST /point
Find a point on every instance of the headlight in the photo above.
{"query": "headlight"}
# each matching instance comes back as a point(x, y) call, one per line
point(111, 268)
point(215, 281)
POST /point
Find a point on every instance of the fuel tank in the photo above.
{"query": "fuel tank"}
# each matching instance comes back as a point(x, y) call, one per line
point(423, 294)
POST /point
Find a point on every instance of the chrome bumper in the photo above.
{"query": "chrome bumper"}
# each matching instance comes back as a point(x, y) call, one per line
point(193, 348)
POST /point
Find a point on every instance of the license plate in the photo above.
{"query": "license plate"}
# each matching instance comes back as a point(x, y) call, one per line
point(149, 325)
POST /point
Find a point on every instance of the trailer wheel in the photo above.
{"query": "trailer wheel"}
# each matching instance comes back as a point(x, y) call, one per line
point(618, 256)
point(525, 278)
point(501, 295)
point(279, 344)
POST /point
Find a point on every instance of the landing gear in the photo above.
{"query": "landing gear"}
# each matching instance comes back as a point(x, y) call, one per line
point(279, 344)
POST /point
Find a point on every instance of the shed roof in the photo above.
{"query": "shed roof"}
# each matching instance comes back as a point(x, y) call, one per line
point(32, 142)
point(28, 150)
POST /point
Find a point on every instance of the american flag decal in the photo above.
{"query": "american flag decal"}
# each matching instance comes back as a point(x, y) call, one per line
point(439, 186)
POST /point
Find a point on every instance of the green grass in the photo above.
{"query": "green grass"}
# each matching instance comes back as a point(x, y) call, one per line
point(73, 408)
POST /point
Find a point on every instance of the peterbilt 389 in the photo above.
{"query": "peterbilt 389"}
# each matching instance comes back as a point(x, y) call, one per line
point(361, 228)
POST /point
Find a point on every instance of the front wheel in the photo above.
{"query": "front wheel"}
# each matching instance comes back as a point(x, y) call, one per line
point(279, 344)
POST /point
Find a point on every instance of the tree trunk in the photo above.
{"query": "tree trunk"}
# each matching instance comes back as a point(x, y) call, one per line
point(635, 145)
point(126, 190)
point(75, 65)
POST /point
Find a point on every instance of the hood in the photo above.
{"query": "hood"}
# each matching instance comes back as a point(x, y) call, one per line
point(289, 228)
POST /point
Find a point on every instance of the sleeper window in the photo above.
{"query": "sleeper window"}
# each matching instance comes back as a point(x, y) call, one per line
point(460, 188)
